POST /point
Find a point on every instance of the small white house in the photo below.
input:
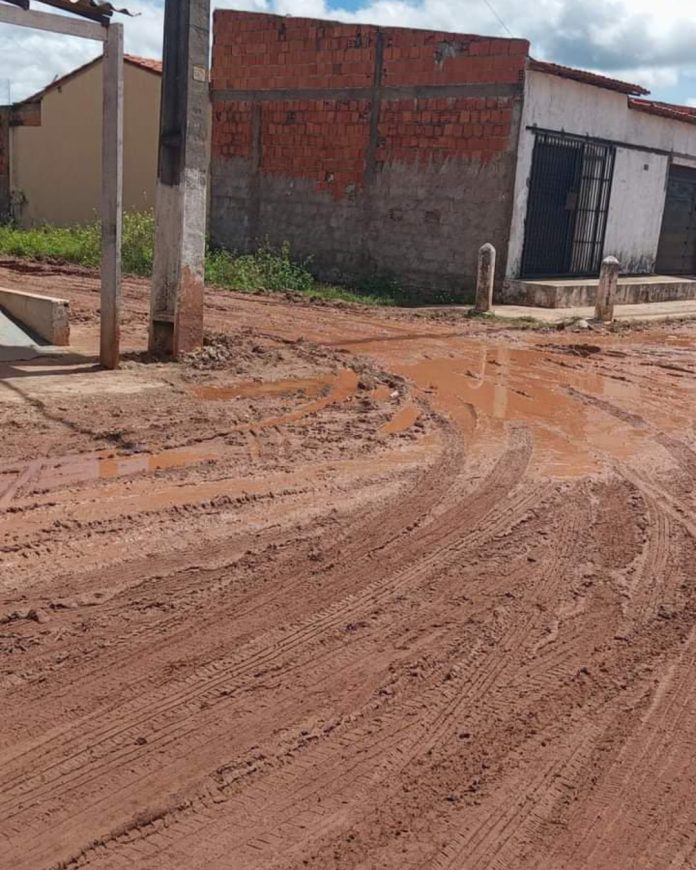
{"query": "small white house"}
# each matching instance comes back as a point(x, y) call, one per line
point(601, 171)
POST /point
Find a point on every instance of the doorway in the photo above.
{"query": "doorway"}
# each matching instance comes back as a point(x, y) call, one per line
point(676, 253)
point(569, 191)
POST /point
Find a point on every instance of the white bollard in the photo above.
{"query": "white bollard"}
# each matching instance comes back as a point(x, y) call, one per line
point(485, 279)
point(606, 291)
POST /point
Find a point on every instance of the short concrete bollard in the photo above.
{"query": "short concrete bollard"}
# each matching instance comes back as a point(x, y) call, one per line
point(485, 279)
point(606, 291)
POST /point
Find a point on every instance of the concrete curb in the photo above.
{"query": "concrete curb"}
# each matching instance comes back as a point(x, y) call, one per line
point(47, 317)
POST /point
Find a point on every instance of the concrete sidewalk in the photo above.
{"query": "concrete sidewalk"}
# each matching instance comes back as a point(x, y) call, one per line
point(645, 311)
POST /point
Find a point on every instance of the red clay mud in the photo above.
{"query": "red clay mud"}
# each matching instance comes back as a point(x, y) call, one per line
point(346, 590)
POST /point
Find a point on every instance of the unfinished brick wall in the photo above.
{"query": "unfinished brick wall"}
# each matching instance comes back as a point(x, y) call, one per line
point(4, 163)
point(373, 150)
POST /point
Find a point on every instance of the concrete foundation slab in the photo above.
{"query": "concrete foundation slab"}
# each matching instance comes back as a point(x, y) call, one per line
point(571, 293)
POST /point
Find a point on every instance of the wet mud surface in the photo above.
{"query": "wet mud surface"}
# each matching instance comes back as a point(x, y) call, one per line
point(347, 590)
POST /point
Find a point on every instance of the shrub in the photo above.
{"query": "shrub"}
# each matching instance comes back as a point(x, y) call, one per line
point(268, 269)
point(138, 246)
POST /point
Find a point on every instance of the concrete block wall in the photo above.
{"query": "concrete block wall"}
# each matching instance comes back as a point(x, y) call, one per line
point(372, 150)
point(4, 163)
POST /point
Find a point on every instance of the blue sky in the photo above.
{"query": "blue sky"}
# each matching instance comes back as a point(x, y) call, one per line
point(652, 42)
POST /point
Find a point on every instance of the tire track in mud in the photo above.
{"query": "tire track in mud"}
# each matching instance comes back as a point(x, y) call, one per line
point(669, 518)
point(682, 454)
point(494, 483)
point(497, 834)
point(184, 583)
point(359, 535)
point(630, 789)
point(112, 739)
point(674, 507)
point(491, 840)
point(329, 779)
point(444, 703)
point(654, 575)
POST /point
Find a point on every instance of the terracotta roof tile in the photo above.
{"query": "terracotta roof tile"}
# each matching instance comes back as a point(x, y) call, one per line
point(147, 63)
point(588, 78)
point(687, 114)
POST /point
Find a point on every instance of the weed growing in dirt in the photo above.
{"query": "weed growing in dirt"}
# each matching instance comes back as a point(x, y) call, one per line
point(268, 269)
point(138, 248)
point(526, 322)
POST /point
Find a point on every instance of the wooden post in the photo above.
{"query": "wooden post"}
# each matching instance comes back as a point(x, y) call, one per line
point(112, 197)
point(606, 291)
point(176, 311)
point(485, 279)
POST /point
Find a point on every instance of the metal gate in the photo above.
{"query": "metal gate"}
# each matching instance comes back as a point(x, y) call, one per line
point(676, 253)
point(569, 191)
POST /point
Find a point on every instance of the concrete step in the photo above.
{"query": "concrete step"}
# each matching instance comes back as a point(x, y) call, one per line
point(582, 292)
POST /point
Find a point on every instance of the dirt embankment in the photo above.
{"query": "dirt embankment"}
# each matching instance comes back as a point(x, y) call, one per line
point(347, 590)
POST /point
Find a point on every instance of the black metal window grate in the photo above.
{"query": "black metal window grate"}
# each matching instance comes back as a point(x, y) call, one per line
point(569, 192)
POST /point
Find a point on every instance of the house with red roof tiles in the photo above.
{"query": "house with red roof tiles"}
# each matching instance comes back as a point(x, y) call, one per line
point(601, 171)
point(387, 150)
point(53, 173)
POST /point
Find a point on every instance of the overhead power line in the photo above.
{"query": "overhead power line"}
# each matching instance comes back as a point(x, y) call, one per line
point(500, 20)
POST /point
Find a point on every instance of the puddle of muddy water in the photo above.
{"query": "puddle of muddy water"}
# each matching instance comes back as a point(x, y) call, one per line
point(311, 387)
point(84, 468)
point(343, 387)
point(381, 393)
point(46, 474)
point(401, 421)
point(482, 387)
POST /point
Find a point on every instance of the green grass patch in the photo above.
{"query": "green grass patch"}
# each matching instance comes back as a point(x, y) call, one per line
point(269, 268)
point(82, 244)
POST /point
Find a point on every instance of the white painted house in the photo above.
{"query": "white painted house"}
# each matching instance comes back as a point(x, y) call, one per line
point(600, 171)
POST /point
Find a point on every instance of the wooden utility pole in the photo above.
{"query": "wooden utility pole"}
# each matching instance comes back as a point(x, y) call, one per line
point(176, 312)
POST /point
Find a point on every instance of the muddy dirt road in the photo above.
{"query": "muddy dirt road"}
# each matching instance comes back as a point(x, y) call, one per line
point(405, 593)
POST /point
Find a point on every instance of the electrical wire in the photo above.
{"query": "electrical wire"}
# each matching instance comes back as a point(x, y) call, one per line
point(500, 20)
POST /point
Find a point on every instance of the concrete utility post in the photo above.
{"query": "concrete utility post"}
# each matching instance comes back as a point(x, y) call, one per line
point(606, 291)
point(176, 311)
point(112, 197)
point(99, 28)
point(485, 279)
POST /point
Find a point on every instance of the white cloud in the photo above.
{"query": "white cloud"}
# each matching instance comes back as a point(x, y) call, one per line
point(608, 37)
point(653, 78)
